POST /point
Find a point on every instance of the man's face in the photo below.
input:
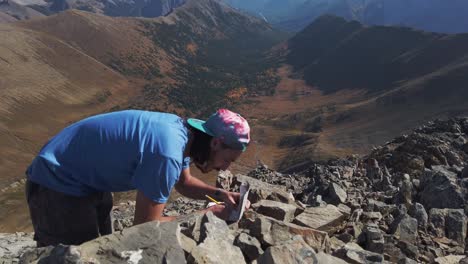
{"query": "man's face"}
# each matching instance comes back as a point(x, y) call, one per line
point(220, 157)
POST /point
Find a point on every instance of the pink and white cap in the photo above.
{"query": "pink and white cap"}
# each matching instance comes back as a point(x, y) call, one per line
point(230, 127)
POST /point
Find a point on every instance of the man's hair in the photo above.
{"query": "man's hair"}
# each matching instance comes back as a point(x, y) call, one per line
point(201, 146)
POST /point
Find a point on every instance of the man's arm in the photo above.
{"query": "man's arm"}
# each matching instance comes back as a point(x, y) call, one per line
point(147, 210)
point(195, 188)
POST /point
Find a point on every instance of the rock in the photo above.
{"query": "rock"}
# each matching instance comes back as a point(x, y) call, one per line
point(371, 217)
point(353, 253)
point(66, 255)
point(187, 243)
point(262, 191)
point(336, 243)
point(417, 211)
point(249, 246)
point(405, 228)
point(377, 206)
point(410, 250)
point(336, 195)
point(442, 182)
point(450, 223)
point(212, 227)
point(344, 209)
point(464, 173)
point(270, 232)
point(325, 258)
point(455, 227)
point(12, 246)
point(406, 261)
point(451, 259)
point(325, 218)
point(154, 242)
point(224, 179)
point(294, 251)
point(373, 238)
point(214, 251)
point(280, 211)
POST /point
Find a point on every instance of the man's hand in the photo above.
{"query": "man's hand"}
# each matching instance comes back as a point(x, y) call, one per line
point(230, 198)
point(220, 210)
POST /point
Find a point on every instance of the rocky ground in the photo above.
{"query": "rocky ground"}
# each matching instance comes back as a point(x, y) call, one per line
point(405, 202)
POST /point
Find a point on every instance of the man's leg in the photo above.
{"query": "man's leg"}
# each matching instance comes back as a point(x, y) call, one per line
point(60, 218)
point(104, 214)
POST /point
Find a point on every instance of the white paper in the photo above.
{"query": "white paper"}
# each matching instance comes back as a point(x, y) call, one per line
point(238, 212)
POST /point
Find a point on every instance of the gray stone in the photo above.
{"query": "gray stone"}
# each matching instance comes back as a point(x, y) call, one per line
point(324, 218)
point(325, 258)
point(271, 232)
point(456, 226)
point(353, 253)
point(249, 246)
point(212, 227)
point(417, 211)
point(153, 242)
point(187, 243)
point(378, 206)
point(373, 238)
point(12, 246)
point(294, 252)
point(407, 261)
point(280, 211)
point(214, 251)
point(405, 228)
point(442, 182)
point(371, 216)
point(409, 249)
point(451, 259)
point(335, 195)
point(263, 191)
point(344, 209)
point(450, 223)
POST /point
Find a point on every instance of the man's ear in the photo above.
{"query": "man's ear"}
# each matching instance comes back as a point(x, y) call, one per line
point(215, 143)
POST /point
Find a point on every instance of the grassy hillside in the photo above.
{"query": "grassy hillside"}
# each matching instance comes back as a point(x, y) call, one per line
point(64, 67)
point(335, 54)
point(401, 78)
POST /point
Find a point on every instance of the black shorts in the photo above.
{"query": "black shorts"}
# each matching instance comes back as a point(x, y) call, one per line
point(70, 220)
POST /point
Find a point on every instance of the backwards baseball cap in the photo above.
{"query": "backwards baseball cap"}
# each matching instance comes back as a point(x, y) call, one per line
point(230, 127)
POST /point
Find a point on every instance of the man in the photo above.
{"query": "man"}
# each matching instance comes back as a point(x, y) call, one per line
point(70, 181)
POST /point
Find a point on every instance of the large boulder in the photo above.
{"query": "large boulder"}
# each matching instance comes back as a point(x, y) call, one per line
point(295, 251)
point(450, 223)
point(439, 189)
point(335, 195)
point(260, 190)
point(271, 232)
point(213, 251)
point(353, 253)
point(280, 211)
point(152, 242)
point(405, 228)
point(324, 218)
point(12, 246)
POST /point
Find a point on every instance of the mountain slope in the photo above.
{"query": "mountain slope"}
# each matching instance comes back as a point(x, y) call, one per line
point(11, 11)
point(42, 91)
point(429, 15)
point(63, 67)
point(400, 78)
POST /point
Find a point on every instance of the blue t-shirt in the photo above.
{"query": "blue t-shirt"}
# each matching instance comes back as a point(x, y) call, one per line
point(114, 152)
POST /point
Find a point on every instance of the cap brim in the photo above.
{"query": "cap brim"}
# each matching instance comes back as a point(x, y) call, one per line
point(198, 124)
